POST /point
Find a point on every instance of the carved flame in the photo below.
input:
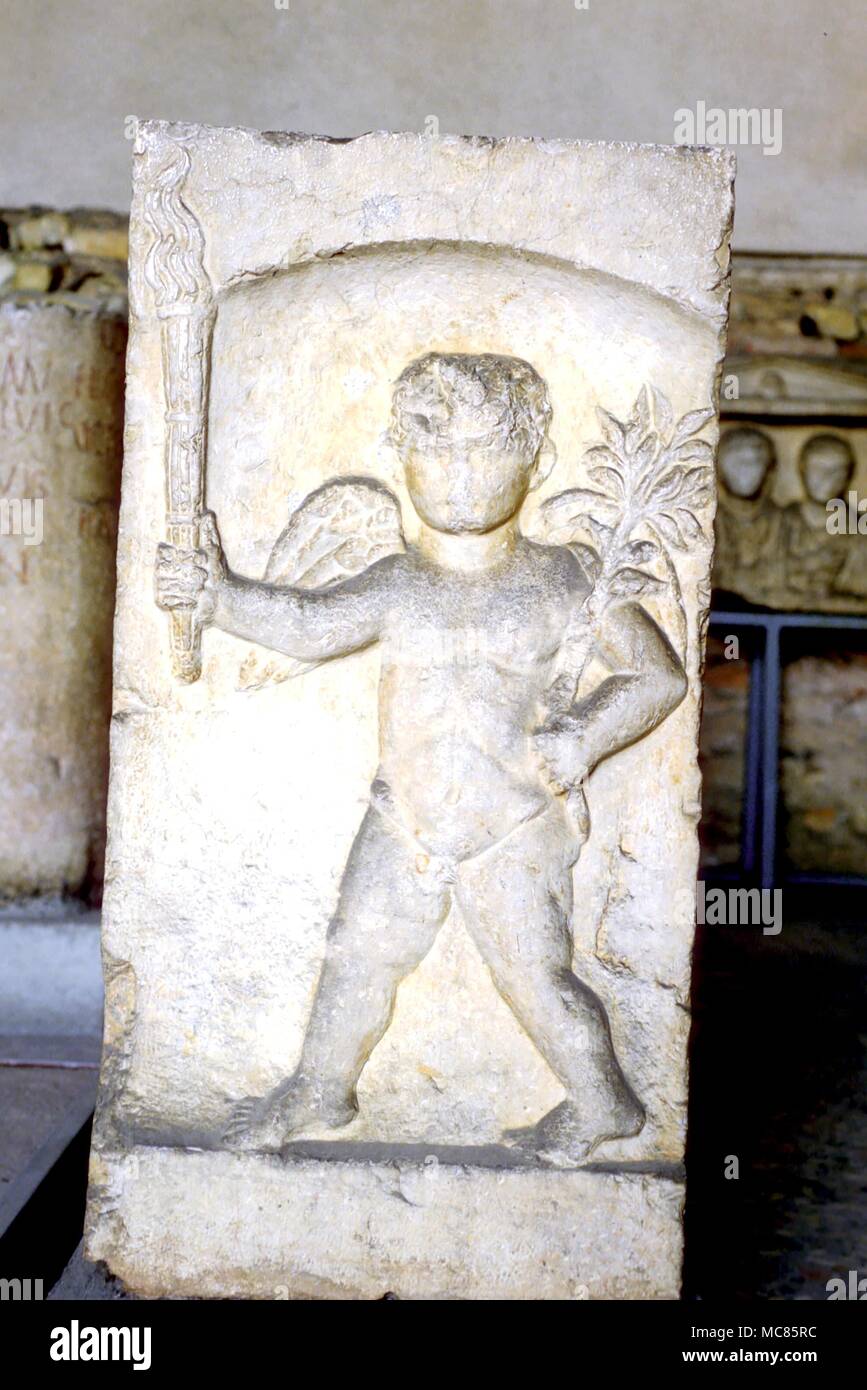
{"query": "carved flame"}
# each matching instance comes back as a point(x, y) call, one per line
point(174, 267)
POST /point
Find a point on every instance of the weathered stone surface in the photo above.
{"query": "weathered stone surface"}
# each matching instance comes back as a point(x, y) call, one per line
point(480, 377)
point(788, 522)
point(95, 233)
point(799, 306)
point(33, 275)
point(403, 1226)
point(722, 753)
point(38, 228)
point(824, 780)
point(61, 420)
point(81, 252)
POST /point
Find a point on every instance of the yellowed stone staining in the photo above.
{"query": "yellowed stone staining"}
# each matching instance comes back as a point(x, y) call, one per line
point(806, 306)
point(61, 420)
point(82, 252)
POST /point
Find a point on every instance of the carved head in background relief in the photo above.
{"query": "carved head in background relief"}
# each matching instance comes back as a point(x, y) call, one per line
point(826, 465)
point(744, 460)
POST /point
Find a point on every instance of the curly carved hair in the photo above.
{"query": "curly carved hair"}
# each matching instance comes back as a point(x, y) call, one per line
point(487, 398)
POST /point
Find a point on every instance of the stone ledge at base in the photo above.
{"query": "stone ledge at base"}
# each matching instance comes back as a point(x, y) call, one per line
point(180, 1222)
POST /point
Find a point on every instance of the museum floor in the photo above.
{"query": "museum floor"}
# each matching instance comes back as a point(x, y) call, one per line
point(779, 1080)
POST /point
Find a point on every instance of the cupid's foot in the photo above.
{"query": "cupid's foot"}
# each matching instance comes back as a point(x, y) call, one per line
point(267, 1123)
point(569, 1134)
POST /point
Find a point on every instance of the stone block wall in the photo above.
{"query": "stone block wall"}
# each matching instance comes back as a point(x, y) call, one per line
point(62, 346)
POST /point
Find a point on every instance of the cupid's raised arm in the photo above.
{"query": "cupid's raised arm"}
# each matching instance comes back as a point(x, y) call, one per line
point(308, 625)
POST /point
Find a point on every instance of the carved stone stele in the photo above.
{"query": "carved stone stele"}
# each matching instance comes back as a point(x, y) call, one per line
point(61, 426)
point(414, 571)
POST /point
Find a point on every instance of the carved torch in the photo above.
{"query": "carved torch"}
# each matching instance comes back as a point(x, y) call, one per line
point(176, 272)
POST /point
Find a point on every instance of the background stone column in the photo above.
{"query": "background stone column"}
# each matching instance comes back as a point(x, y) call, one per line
point(62, 345)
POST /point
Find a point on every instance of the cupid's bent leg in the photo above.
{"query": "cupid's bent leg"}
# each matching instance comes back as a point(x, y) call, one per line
point(392, 903)
point(516, 900)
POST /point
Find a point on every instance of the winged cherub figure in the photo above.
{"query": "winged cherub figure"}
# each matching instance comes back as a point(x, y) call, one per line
point(469, 803)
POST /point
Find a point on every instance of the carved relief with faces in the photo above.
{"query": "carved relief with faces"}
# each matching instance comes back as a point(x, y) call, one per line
point(776, 544)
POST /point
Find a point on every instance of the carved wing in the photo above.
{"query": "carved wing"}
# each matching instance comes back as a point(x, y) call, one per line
point(338, 530)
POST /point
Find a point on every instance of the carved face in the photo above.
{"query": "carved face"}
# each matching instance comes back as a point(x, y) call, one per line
point(469, 429)
point(744, 458)
point(826, 467)
point(460, 484)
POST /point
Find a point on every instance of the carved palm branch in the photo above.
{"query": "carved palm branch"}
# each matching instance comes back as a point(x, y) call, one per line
point(654, 477)
point(339, 530)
